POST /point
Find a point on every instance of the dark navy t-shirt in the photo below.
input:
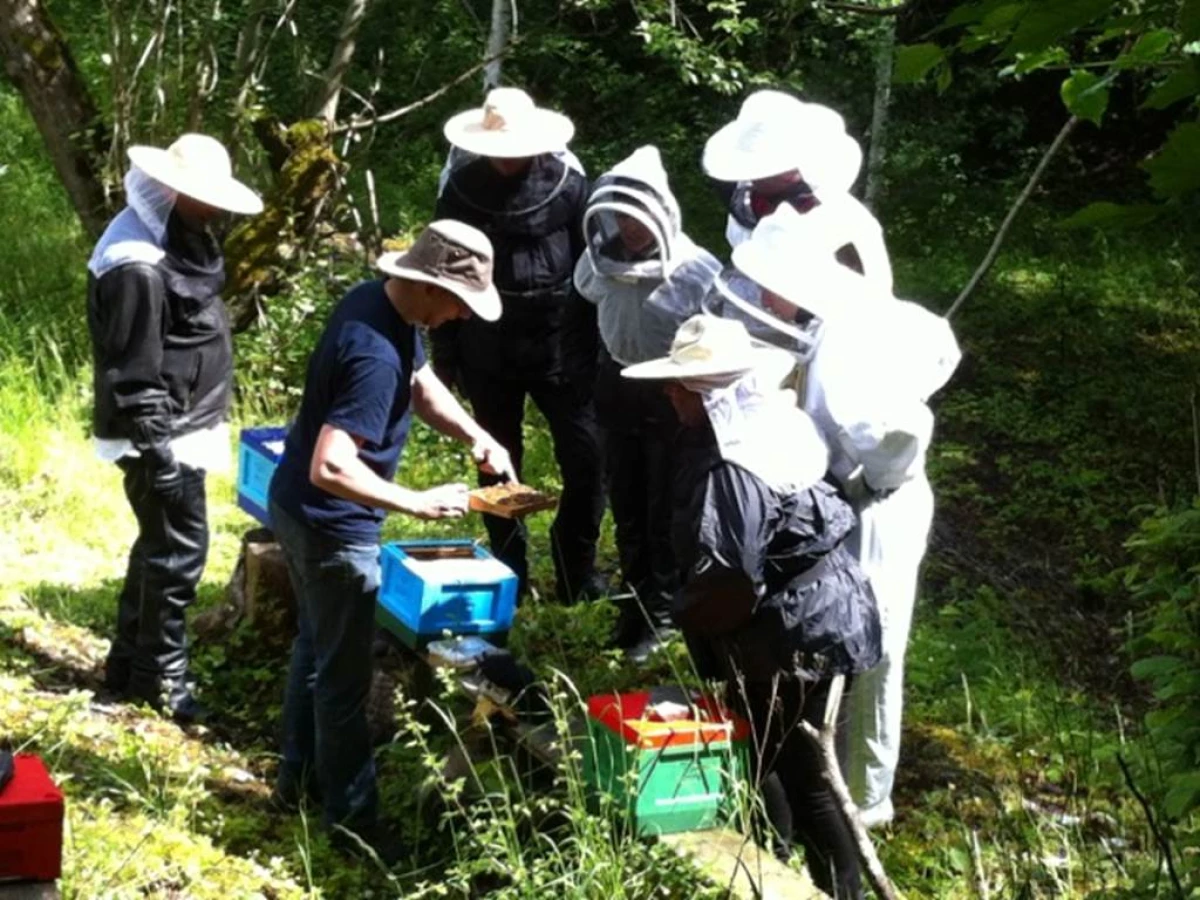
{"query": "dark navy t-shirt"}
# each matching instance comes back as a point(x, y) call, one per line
point(359, 380)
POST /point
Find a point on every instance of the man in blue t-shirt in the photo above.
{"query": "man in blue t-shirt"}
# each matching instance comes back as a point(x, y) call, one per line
point(333, 488)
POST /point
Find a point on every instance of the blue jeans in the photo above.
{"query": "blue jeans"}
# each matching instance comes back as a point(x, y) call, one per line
point(326, 739)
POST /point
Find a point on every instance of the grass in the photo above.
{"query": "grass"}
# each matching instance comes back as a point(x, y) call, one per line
point(1069, 419)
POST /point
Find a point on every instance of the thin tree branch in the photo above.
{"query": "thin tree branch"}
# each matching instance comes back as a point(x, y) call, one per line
point(1159, 838)
point(824, 742)
point(359, 124)
point(1007, 224)
point(339, 62)
point(885, 53)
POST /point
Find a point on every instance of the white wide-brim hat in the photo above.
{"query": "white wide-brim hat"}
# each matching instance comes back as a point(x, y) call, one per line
point(775, 133)
point(707, 346)
point(509, 126)
point(792, 255)
point(454, 256)
point(198, 166)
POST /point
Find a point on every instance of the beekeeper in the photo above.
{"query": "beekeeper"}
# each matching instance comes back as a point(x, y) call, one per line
point(771, 601)
point(783, 150)
point(514, 182)
point(366, 378)
point(636, 248)
point(163, 379)
point(872, 363)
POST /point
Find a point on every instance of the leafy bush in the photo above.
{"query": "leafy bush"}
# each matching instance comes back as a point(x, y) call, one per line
point(1165, 576)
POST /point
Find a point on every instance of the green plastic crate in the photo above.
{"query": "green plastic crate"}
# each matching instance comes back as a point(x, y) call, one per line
point(663, 789)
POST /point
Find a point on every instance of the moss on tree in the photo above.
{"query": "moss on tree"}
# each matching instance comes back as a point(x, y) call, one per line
point(260, 250)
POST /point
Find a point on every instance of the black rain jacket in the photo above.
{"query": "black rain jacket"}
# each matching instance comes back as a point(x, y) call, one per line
point(768, 586)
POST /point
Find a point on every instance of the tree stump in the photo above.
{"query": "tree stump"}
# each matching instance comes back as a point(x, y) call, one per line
point(259, 593)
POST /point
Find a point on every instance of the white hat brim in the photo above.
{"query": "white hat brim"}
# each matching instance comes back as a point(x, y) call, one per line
point(759, 357)
point(813, 286)
point(221, 192)
point(728, 156)
point(485, 303)
point(541, 131)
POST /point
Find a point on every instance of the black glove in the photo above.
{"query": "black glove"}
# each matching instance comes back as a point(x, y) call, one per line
point(152, 440)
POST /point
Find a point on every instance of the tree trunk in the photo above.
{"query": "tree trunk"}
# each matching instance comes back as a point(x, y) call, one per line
point(343, 53)
point(261, 248)
point(884, 54)
point(39, 63)
point(497, 39)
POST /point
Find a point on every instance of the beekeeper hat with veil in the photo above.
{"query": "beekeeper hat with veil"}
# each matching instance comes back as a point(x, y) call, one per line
point(637, 255)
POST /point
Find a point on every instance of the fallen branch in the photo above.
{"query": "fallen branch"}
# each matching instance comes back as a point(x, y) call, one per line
point(359, 124)
point(1164, 846)
point(831, 771)
point(1007, 224)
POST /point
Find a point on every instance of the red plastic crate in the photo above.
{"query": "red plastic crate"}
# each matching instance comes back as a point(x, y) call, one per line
point(625, 715)
point(31, 823)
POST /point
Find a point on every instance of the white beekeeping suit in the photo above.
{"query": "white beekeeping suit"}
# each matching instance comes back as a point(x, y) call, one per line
point(776, 133)
point(879, 427)
point(633, 327)
point(872, 364)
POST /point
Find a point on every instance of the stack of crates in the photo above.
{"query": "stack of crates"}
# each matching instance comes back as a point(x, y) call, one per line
point(31, 823)
point(666, 777)
point(259, 452)
point(429, 588)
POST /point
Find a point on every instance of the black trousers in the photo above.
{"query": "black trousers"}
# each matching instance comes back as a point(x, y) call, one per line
point(165, 565)
point(639, 430)
point(498, 404)
point(800, 808)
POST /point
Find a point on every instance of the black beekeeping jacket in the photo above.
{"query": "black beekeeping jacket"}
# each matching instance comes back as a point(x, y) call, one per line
point(533, 220)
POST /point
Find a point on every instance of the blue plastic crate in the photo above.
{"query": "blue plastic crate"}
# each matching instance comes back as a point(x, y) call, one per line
point(259, 450)
point(430, 587)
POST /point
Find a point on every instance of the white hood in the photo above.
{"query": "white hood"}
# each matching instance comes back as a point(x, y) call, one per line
point(635, 328)
point(138, 232)
point(761, 429)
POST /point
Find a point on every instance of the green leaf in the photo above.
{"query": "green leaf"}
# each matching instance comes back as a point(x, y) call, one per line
point(1085, 95)
point(1184, 82)
point(1050, 20)
point(1148, 50)
point(914, 62)
point(1175, 169)
point(1054, 56)
point(1189, 20)
point(970, 13)
point(1112, 215)
point(944, 77)
point(1155, 666)
point(1183, 796)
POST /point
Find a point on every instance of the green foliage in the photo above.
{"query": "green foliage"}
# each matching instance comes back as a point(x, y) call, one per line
point(1112, 214)
point(916, 61)
point(1174, 170)
point(1097, 40)
point(1165, 578)
point(1086, 96)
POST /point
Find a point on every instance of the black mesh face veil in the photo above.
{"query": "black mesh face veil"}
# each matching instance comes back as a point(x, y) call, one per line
point(735, 296)
point(628, 230)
